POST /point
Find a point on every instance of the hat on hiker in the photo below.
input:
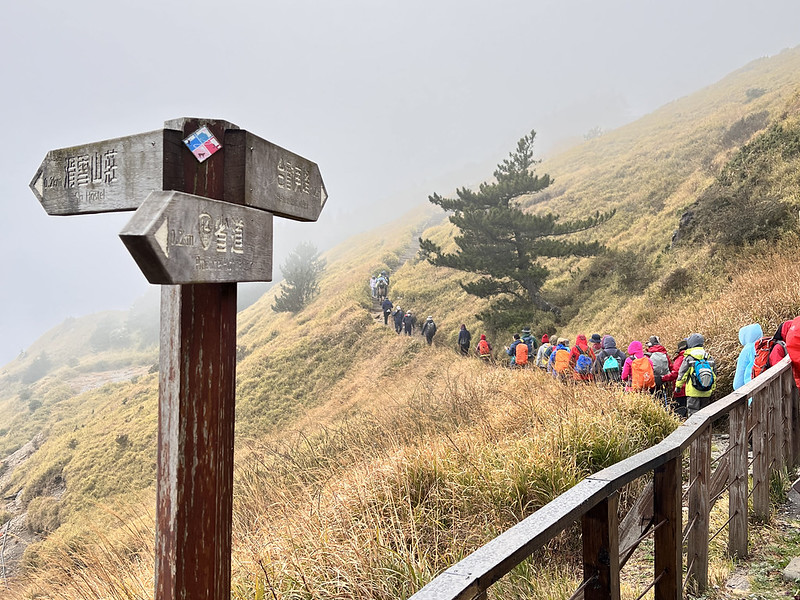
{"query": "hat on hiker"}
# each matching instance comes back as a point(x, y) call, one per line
point(653, 341)
point(526, 331)
point(429, 318)
point(595, 339)
point(682, 345)
point(545, 339)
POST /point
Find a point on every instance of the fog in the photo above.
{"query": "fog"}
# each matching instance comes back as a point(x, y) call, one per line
point(393, 100)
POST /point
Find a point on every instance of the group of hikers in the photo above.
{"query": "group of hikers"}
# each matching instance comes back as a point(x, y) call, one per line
point(379, 285)
point(685, 380)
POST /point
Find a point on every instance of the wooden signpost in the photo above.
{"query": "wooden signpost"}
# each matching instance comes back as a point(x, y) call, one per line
point(204, 192)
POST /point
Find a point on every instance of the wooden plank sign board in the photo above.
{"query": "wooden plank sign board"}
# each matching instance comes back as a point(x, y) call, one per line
point(179, 238)
point(108, 176)
point(282, 182)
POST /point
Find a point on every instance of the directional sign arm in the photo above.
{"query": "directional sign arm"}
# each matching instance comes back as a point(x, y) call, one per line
point(179, 238)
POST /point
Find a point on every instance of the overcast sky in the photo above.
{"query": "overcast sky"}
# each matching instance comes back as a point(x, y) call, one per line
point(393, 99)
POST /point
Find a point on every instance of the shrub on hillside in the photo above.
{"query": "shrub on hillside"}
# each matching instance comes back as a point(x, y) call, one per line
point(43, 514)
point(676, 282)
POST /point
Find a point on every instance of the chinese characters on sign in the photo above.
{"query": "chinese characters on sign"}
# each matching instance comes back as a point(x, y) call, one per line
point(179, 238)
point(202, 143)
point(86, 169)
point(293, 177)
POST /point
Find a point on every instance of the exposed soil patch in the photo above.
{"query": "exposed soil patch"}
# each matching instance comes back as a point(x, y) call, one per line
point(91, 381)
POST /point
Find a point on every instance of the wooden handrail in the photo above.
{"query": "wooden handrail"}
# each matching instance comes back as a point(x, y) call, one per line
point(473, 575)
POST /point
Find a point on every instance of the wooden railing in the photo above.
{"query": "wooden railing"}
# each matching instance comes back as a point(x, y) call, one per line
point(770, 423)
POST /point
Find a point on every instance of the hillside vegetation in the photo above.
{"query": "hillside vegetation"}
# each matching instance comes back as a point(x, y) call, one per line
point(367, 461)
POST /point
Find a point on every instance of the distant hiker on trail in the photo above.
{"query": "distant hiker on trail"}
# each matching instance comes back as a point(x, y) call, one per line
point(484, 349)
point(637, 372)
point(530, 341)
point(397, 315)
point(385, 275)
point(581, 359)
point(543, 354)
point(559, 363)
point(373, 282)
point(386, 305)
point(382, 287)
point(409, 320)
point(697, 374)
point(609, 362)
point(662, 364)
point(678, 402)
point(748, 336)
point(464, 340)
point(429, 330)
point(512, 350)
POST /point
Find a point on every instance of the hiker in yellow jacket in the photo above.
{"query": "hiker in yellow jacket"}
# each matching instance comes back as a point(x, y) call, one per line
point(697, 374)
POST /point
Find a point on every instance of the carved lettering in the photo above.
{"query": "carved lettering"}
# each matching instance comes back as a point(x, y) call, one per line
point(85, 169)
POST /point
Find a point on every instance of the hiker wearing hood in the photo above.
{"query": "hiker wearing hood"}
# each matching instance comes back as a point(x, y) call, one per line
point(543, 354)
point(748, 336)
point(429, 330)
point(583, 371)
point(484, 349)
point(609, 362)
point(638, 373)
point(464, 340)
point(695, 376)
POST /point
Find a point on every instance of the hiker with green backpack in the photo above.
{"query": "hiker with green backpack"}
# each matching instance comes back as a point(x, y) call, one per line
point(609, 362)
point(697, 374)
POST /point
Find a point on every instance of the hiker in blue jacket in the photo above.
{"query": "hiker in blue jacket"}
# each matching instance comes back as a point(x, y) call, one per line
point(748, 336)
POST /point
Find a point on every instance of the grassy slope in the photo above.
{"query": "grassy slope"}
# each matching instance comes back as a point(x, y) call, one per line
point(332, 363)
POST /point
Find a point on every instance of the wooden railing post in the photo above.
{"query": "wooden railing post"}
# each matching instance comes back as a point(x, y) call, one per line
point(668, 569)
point(776, 425)
point(737, 492)
point(760, 456)
point(699, 476)
point(601, 550)
point(786, 409)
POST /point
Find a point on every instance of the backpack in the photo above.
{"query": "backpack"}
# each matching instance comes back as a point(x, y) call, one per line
point(583, 366)
point(660, 364)
point(642, 376)
point(764, 348)
point(702, 374)
point(561, 361)
point(430, 329)
point(483, 349)
point(521, 354)
point(610, 364)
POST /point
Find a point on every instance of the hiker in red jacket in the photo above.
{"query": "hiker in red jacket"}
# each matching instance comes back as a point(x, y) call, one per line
point(678, 402)
point(582, 369)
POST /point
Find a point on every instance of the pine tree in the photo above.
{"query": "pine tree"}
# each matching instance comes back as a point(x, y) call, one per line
point(301, 272)
point(504, 244)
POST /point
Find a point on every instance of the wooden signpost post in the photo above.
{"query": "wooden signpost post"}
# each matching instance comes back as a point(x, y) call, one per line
point(204, 192)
